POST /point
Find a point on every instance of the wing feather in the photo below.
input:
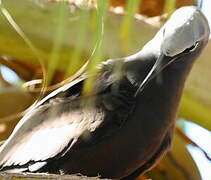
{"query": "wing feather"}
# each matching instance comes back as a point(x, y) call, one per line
point(48, 128)
point(49, 137)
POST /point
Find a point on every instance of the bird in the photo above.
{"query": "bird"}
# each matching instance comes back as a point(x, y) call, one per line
point(125, 124)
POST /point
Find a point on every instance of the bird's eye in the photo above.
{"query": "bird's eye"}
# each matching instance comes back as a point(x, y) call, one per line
point(192, 48)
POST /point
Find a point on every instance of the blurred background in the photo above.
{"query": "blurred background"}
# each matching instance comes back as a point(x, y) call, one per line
point(54, 41)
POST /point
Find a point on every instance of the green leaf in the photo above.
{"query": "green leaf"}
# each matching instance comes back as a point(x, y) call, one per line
point(195, 111)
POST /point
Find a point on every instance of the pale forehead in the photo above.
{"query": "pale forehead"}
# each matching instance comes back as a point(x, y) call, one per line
point(180, 17)
point(185, 27)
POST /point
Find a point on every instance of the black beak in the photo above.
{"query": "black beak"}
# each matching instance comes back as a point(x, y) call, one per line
point(159, 65)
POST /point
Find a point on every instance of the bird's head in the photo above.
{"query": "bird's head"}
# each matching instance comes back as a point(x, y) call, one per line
point(185, 31)
point(182, 37)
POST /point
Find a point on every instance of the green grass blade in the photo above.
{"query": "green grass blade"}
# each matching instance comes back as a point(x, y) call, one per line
point(97, 52)
point(74, 62)
point(59, 36)
point(131, 9)
point(170, 6)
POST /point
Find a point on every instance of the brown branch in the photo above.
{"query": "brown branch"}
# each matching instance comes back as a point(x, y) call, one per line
point(43, 176)
point(22, 72)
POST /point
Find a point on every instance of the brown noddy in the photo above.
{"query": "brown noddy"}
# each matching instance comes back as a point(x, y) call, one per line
point(128, 125)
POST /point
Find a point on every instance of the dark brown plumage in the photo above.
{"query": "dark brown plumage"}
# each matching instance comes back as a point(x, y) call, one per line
point(126, 124)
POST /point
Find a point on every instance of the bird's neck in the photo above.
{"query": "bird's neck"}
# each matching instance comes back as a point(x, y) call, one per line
point(162, 95)
point(138, 66)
